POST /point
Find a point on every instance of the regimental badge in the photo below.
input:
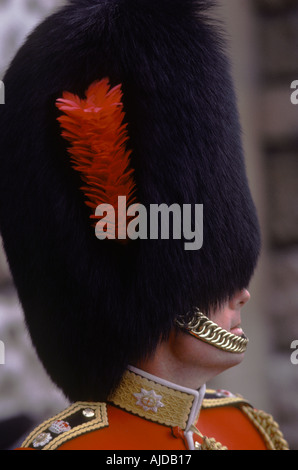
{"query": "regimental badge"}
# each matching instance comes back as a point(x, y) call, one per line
point(224, 393)
point(42, 439)
point(59, 426)
point(149, 400)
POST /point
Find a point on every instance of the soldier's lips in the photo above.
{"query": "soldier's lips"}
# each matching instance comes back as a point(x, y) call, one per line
point(237, 330)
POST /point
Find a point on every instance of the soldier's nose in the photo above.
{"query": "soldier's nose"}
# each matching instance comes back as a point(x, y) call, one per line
point(239, 299)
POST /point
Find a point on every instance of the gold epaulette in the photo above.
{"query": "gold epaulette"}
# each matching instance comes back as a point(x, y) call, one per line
point(262, 421)
point(267, 427)
point(77, 419)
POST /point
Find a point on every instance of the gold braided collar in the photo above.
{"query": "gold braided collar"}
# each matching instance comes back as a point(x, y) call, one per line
point(157, 400)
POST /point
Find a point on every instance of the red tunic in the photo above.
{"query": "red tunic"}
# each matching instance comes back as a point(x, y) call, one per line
point(148, 413)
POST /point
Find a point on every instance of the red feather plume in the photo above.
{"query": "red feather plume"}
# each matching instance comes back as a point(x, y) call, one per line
point(98, 135)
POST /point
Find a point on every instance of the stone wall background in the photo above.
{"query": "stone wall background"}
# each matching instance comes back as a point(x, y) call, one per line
point(263, 37)
point(263, 40)
point(277, 23)
point(27, 396)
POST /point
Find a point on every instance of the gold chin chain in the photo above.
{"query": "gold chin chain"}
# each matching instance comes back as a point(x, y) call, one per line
point(203, 328)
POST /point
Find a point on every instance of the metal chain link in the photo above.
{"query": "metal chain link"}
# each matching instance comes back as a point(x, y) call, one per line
point(203, 328)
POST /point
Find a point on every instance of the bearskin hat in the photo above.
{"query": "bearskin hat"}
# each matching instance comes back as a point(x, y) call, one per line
point(94, 306)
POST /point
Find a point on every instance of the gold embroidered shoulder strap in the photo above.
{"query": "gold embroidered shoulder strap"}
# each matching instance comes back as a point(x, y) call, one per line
point(78, 419)
point(262, 421)
point(219, 398)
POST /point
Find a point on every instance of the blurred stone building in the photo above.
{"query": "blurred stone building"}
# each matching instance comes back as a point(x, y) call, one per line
point(263, 41)
point(277, 29)
point(264, 47)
